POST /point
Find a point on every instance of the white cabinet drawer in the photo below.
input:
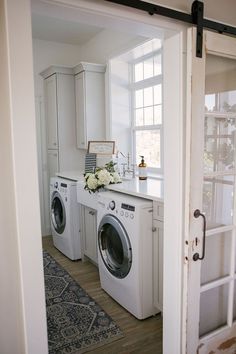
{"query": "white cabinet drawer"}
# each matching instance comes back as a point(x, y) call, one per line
point(158, 211)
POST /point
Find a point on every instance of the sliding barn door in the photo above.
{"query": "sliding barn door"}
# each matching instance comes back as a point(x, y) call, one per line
point(211, 290)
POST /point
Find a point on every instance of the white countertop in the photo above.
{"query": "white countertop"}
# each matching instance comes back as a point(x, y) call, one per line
point(150, 188)
point(72, 175)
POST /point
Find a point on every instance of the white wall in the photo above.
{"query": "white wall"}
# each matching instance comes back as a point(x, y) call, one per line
point(105, 45)
point(108, 44)
point(222, 11)
point(120, 105)
point(22, 299)
point(10, 294)
point(46, 53)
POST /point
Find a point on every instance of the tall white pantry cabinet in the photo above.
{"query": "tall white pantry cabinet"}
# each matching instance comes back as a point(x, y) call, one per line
point(59, 95)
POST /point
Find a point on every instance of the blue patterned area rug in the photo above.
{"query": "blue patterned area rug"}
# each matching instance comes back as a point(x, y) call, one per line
point(76, 323)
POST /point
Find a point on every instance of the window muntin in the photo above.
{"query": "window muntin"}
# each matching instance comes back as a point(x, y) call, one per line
point(148, 106)
point(149, 67)
point(147, 121)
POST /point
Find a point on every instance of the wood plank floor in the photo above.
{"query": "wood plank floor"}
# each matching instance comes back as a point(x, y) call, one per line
point(139, 336)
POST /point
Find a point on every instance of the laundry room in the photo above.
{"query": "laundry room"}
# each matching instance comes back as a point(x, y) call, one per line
point(118, 203)
point(117, 76)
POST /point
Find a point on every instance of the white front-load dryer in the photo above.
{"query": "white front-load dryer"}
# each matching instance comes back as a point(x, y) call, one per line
point(125, 253)
point(64, 215)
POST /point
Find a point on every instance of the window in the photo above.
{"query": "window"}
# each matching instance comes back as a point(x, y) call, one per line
point(147, 124)
point(219, 157)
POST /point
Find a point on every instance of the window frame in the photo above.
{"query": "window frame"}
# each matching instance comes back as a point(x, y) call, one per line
point(142, 84)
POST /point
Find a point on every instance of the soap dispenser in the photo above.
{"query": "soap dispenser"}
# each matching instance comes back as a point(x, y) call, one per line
point(142, 169)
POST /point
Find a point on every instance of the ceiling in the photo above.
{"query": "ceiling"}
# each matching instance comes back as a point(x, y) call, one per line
point(62, 30)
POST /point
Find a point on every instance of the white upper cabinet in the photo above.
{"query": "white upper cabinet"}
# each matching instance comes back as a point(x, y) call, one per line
point(80, 111)
point(51, 111)
point(60, 117)
point(90, 103)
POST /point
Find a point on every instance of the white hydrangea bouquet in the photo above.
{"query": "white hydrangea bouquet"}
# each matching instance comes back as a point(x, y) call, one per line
point(101, 177)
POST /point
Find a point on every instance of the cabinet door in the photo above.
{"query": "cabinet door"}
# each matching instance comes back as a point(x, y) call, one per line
point(90, 234)
point(158, 210)
point(95, 105)
point(80, 111)
point(158, 264)
point(53, 164)
point(51, 111)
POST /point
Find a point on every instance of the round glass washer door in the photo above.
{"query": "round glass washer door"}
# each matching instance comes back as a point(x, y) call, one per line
point(114, 246)
point(58, 213)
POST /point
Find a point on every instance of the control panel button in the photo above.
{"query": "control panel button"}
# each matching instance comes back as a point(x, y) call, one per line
point(126, 214)
point(112, 205)
point(121, 213)
point(131, 216)
point(56, 185)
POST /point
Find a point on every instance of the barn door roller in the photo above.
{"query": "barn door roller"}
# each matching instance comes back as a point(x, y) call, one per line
point(195, 18)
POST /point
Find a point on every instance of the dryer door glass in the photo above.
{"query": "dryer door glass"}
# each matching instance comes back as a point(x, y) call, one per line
point(114, 246)
point(58, 214)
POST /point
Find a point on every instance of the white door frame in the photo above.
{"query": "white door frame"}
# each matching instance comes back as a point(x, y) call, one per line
point(173, 162)
point(22, 282)
point(129, 19)
point(117, 17)
point(192, 181)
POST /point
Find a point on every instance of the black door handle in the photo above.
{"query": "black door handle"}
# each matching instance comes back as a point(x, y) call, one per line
point(196, 256)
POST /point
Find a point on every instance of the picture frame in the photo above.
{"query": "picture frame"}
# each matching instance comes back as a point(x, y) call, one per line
point(101, 147)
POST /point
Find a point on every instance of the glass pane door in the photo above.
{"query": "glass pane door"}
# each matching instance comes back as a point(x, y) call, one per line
point(217, 308)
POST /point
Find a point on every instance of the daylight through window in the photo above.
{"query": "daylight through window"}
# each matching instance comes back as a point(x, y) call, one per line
point(147, 120)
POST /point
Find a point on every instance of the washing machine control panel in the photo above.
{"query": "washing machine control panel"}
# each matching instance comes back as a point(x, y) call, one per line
point(126, 211)
point(126, 214)
point(128, 207)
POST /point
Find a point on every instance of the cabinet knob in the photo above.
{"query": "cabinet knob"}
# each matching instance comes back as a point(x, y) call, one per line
point(154, 229)
point(54, 144)
point(92, 212)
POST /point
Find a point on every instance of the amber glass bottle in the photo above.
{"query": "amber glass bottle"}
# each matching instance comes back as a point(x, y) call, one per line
point(142, 167)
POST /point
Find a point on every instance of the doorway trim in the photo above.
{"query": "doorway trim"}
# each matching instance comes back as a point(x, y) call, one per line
point(174, 34)
point(22, 282)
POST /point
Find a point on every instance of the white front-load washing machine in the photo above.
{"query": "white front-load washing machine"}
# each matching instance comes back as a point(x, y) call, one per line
point(64, 215)
point(125, 252)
